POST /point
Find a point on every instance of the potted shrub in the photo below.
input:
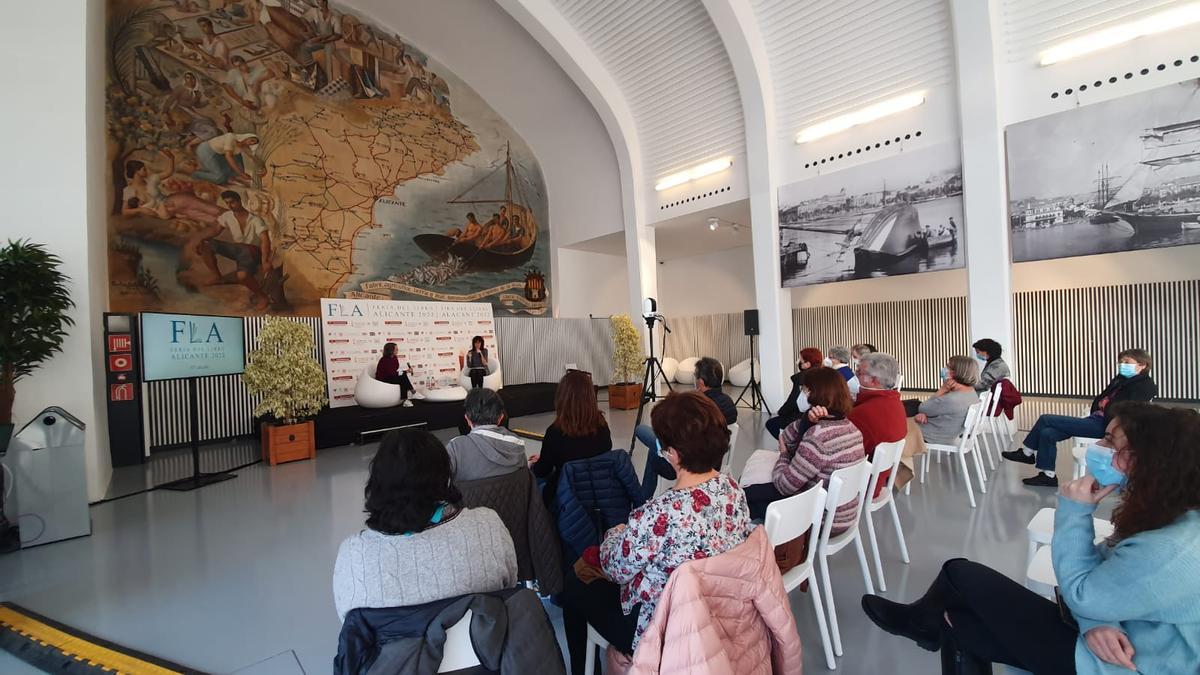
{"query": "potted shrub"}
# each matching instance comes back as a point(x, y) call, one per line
point(625, 393)
point(284, 372)
point(33, 318)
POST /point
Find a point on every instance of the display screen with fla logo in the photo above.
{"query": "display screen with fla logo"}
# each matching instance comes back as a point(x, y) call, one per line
point(176, 346)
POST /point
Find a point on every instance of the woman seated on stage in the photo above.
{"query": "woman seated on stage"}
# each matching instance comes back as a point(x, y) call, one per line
point(388, 370)
point(579, 430)
point(702, 516)
point(810, 357)
point(1125, 604)
point(420, 544)
point(813, 447)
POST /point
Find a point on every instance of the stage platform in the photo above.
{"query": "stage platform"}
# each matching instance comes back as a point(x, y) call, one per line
point(344, 426)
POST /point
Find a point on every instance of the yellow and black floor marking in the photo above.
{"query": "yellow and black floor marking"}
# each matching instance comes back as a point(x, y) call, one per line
point(528, 434)
point(55, 648)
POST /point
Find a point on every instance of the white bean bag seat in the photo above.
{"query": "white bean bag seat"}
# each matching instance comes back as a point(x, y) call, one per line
point(739, 375)
point(444, 394)
point(493, 380)
point(686, 373)
point(669, 367)
point(371, 393)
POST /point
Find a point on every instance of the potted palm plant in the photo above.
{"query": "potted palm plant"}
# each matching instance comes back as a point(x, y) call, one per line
point(283, 371)
point(33, 318)
point(625, 393)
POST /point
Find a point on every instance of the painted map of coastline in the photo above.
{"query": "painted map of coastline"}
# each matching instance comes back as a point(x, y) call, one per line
point(268, 154)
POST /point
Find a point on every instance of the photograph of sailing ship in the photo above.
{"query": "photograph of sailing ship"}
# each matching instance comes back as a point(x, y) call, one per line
point(1121, 175)
point(900, 215)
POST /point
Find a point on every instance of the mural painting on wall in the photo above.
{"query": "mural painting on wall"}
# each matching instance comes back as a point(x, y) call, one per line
point(1121, 175)
point(268, 153)
point(899, 215)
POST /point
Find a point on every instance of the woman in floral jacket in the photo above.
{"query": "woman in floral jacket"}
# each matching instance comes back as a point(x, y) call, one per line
point(704, 515)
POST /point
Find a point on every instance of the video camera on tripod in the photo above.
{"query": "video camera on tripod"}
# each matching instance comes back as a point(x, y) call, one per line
point(654, 369)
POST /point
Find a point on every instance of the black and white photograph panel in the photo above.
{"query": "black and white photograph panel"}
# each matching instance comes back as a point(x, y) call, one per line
point(900, 215)
point(1121, 175)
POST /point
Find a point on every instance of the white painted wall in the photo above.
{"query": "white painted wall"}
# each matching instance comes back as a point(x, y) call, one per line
point(53, 186)
point(595, 284)
point(713, 283)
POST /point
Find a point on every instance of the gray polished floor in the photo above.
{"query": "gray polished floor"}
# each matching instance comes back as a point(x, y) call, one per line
point(235, 577)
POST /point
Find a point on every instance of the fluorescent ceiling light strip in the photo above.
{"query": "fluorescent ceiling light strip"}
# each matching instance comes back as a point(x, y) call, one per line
point(698, 171)
point(868, 114)
point(1177, 17)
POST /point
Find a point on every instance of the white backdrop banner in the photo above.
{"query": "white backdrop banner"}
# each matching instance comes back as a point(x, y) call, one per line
point(431, 336)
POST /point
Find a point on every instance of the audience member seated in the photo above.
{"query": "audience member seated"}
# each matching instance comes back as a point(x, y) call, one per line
point(578, 431)
point(418, 538)
point(489, 449)
point(709, 377)
point(388, 370)
point(702, 516)
point(941, 416)
point(1127, 604)
point(839, 360)
point(858, 351)
point(878, 413)
point(1040, 446)
point(813, 447)
point(794, 406)
point(994, 368)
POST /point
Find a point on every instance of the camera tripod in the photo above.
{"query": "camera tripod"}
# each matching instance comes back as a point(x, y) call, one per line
point(654, 370)
point(757, 400)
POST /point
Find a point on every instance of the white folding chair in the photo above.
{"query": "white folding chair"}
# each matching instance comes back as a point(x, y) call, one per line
point(887, 456)
point(595, 642)
point(985, 447)
point(1041, 531)
point(846, 486)
point(727, 462)
point(966, 445)
point(899, 382)
point(1039, 574)
point(788, 519)
point(1079, 446)
point(458, 653)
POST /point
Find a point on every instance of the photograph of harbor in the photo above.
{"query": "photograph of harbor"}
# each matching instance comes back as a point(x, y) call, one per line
point(1122, 175)
point(900, 215)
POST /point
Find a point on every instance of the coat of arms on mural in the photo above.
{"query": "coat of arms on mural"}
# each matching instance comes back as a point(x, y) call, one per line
point(268, 153)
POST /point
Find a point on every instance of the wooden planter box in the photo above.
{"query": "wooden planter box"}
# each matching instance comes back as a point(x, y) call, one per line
point(624, 396)
point(288, 442)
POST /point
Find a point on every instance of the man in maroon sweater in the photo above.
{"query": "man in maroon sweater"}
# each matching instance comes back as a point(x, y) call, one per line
point(877, 412)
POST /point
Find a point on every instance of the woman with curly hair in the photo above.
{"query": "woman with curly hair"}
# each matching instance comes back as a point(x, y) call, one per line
point(1127, 603)
point(420, 544)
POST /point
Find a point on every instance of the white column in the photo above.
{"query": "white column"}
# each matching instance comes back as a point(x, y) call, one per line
point(739, 31)
point(985, 192)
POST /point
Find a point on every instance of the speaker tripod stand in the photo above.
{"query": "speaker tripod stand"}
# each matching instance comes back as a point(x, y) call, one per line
point(757, 400)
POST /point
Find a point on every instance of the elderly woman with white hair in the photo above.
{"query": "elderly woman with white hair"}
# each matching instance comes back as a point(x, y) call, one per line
point(942, 415)
point(839, 360)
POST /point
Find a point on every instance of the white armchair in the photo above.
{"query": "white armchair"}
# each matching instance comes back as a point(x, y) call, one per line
point(493, 380)
point(686, 374)
point(739, 375)
point(371, 393)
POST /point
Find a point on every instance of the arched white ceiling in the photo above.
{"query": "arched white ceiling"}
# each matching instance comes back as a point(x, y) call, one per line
point(672, 69)
point(829, 57)
point(1031, 26)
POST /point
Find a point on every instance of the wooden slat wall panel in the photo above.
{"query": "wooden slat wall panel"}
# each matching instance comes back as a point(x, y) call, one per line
point(1069, 339)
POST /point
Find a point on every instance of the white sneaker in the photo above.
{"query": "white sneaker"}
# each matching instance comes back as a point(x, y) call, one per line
point(406, 403)
point(417, 396)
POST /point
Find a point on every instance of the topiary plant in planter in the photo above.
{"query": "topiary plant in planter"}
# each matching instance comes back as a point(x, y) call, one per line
point(625, 393)
point(34, 306)
point(283, 371)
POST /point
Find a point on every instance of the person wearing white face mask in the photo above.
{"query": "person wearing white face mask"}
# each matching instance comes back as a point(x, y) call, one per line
point(839, 360)
point(1132, 383)
point(994, 368)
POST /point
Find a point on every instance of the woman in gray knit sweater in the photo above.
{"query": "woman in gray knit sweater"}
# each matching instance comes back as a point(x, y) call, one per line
point(419, 545)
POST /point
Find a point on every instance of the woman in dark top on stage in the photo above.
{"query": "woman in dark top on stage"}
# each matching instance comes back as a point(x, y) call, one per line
point(388, 370)
point(477, 362)
point(579, 430)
